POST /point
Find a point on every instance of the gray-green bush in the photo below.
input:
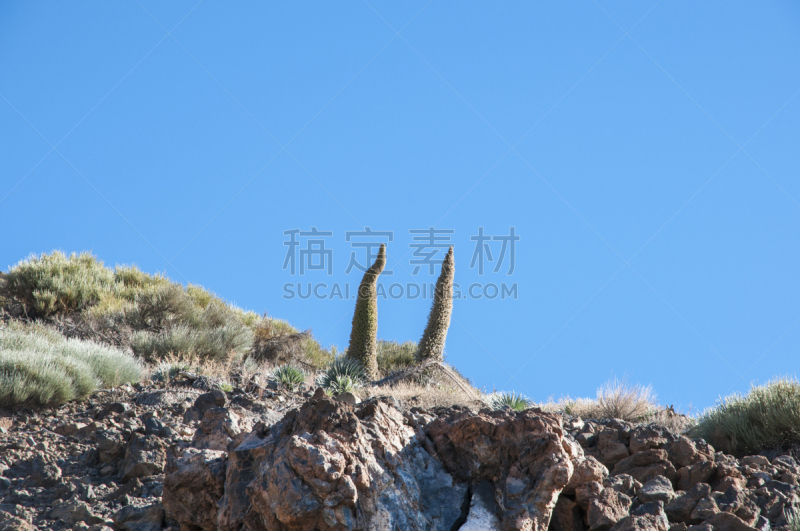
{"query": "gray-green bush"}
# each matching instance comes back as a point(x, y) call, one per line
point(767, 417)
point(393, 356)
point(38, 366)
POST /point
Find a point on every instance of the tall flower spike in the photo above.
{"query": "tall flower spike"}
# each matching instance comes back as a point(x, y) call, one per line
point(431, 346)
point(364, 334)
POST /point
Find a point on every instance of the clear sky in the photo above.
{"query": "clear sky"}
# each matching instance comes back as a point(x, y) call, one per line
point(645, 154)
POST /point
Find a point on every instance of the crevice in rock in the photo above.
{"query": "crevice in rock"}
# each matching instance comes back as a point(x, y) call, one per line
point(465, 505)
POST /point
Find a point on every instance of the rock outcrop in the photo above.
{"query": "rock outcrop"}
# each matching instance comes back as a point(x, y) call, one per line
point(180, 459)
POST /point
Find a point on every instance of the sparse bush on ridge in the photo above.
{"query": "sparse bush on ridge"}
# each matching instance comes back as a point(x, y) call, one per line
point(44, 368)
point(618, 400)
point(767, 417)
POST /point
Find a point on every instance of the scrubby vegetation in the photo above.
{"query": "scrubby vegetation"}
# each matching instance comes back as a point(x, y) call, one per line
point(767, 417)
point(393, 356)
point(149, 314)
point(39, 366)
point(69, 325)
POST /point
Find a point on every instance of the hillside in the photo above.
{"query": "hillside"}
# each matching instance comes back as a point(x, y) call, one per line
point(133, 402)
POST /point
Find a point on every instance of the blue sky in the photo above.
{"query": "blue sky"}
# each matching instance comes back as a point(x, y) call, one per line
point(646, 154)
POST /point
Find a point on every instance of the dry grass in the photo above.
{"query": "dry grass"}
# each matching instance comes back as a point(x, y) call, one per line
point(411, 394)
point(615, 399)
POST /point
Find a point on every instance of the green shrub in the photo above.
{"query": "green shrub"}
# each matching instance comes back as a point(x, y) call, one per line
point(56, 283)
point(363, 334)
point(515, 401)
point(766, 417)
point(167, 370)
point(431, 346)
point(43, 368)
point(288, 376)
point(393, 356)
point(343, 371)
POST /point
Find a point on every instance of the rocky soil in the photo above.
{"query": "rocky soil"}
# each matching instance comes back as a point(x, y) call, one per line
point(151, 458)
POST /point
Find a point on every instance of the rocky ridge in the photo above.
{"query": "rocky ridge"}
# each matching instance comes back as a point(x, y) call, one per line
point(151, 458)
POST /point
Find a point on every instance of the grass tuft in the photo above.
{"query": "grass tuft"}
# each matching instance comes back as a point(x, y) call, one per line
point(618, 400)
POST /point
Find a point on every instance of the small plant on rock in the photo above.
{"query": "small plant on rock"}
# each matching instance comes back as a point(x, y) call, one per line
point(289, 376)
point(512, 400)
point(342, 384)
point(340, 371)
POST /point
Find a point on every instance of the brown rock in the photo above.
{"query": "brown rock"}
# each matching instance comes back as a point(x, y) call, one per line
point(705, 509)
point(584, 494)
point(685, 452)
point(700, 472)
point(586, 469)
point(650, 437)
point(145, 456)
point(680, 509)
point(193, 486)
point(645, 522)
point(328, 466)
point(12, 523)
point(608, 508)
point(522, 453)
point(610, 449)
point(646, 465)
point(133, 518)
point(566, 516)
point(221, 429)
point(657, 489)
point(728, 522)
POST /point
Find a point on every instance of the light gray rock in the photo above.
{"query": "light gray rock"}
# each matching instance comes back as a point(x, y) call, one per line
point(482, 514)
point(657, 489)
